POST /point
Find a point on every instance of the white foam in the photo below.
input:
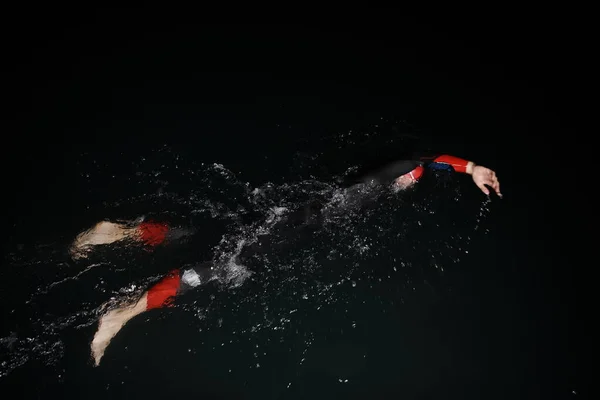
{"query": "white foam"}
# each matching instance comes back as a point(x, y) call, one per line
point(191, 278)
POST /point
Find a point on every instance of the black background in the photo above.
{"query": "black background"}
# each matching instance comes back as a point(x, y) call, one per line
point(506, 87)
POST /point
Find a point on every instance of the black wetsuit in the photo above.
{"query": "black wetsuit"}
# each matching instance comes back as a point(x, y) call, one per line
point(387, 173)
point(310, 215)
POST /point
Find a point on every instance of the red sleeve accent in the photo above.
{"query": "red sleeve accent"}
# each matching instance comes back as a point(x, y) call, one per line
point(161, 294)
point(416, 173)
point(458, 164)
point(153, 233)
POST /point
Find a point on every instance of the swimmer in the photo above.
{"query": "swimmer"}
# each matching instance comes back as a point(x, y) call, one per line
point(149, 233)
point(401, 175)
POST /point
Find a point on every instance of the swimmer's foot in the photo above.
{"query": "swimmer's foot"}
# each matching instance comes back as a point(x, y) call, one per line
point(111, 323)
point(102, 233)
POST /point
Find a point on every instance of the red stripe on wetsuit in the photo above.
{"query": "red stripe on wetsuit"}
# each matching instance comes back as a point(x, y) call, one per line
point(458, 164)
point(153, 233)
point(161, 294)
point(416, 173)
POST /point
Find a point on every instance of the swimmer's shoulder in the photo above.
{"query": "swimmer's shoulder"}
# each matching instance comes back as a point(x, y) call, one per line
point(384, 169)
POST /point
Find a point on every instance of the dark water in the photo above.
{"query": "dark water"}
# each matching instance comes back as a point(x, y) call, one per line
point(435, 293)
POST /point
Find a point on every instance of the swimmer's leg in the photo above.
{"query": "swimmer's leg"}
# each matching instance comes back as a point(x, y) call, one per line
point(147, 232)
point(160, 295)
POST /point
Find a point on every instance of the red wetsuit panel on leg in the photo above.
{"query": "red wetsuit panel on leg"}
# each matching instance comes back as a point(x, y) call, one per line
point(153, 233)
point(458, 164)
point(161, 294)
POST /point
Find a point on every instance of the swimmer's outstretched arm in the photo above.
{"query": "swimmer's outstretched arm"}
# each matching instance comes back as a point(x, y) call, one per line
point(405, 173)
point(159, 295)
point(481, 175)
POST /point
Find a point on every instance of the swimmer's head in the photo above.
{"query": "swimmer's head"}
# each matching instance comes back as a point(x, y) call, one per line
point(409, 179)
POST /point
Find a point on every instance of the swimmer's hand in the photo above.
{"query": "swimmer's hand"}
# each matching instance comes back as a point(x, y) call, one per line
point(483, 176)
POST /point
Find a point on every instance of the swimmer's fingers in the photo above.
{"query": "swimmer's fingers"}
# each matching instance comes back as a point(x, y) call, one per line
point(492, 181)
point(485, 178)
point(484, 189)
point(484, 182)
point(496, 187)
